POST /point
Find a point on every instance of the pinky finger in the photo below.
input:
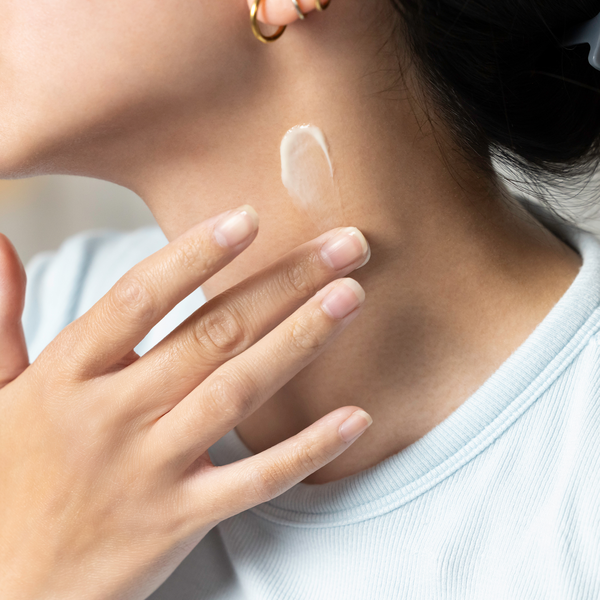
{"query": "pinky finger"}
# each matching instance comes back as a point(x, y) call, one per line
point(259, 478)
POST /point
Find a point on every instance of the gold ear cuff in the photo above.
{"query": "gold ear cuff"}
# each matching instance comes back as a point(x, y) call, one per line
point(271, 38)
point(256, 29)
point(319, 6)
point(301, 15)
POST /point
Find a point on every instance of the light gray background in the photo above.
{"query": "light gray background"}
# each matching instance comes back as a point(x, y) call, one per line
point(39, 213)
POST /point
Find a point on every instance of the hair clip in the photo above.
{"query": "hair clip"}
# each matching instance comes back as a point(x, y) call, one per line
point(586, 33)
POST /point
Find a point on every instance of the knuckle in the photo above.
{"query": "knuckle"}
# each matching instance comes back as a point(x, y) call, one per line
point(305, 337)
point(296, 279)
point(186, 255)
point(220, 331)
point(309, 457)
point(267, 482)
point(228, 398)
point(61, 357)
point(131, 295)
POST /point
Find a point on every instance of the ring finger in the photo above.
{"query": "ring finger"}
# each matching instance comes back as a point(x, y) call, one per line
point(240, 386)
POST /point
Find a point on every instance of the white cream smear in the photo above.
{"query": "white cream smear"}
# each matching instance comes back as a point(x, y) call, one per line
point(307, 174)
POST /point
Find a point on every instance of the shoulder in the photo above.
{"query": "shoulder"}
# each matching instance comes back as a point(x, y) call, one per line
point(63, 284)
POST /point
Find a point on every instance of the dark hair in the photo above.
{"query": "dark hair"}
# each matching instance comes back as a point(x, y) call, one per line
point(496, 70)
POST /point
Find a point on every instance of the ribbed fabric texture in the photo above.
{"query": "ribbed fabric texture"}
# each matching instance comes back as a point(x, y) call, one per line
point(500, 501)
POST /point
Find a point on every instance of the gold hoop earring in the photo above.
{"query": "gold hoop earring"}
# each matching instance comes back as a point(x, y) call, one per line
point(320, 7)
point(256, 29)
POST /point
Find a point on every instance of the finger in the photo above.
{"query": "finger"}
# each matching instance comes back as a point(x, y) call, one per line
point(231, 322)
point(239, 387)
point(110, 330)
point(13, 349)
point(240, 485)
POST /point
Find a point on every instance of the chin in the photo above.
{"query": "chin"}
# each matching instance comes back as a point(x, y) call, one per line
point(19, 159)
point(27, 145)
point(44, 143)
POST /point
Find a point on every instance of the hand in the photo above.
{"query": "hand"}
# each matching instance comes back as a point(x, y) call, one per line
point(106, 483)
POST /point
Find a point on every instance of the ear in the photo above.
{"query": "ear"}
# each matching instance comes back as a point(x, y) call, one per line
point(281, 12)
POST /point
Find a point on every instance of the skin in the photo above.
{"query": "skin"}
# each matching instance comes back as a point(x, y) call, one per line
point(117, 449)
point(185, 107)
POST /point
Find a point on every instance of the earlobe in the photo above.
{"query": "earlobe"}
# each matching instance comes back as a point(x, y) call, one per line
point(282, 12)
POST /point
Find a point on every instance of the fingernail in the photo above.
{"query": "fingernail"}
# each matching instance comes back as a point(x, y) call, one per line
point(236, 226)
point(346, 296)
point(354, 425)
point(346, 248)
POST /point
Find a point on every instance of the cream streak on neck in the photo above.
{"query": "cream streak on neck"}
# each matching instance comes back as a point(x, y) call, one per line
point(307, 174)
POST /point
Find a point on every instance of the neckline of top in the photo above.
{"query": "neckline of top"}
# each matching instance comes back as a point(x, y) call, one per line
point(471, 428)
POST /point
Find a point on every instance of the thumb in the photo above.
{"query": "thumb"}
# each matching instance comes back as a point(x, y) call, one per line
point(13, 350)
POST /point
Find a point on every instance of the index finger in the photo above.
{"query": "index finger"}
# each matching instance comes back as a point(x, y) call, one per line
point(147, 292)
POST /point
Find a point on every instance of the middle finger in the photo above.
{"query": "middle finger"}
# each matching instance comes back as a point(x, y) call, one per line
point(231, 322)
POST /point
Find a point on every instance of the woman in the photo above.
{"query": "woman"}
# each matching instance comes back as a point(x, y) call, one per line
point(216, 464)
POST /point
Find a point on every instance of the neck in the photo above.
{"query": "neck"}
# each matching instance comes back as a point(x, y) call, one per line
point(459, 275)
